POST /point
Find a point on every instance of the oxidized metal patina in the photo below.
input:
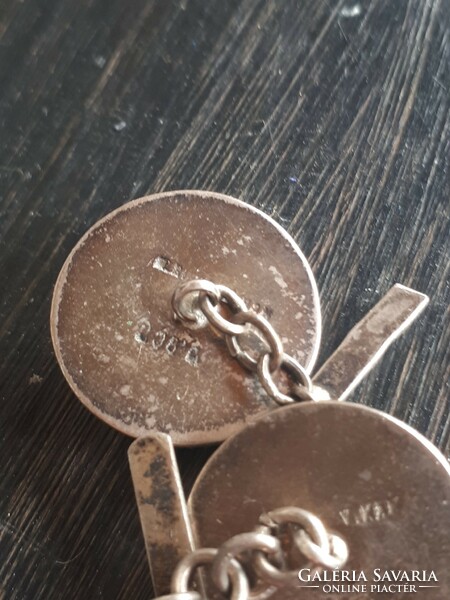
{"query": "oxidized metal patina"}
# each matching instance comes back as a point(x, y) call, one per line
point(113, 329)
point(373, 480)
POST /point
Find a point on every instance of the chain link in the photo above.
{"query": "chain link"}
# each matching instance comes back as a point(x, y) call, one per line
point(255, 541)
point(232, 301)
point(249, 336)
point(263, 545)
point(253, 341)
point(309, 536)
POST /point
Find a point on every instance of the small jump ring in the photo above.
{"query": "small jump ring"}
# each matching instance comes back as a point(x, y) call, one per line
point(269, 336)
point(312, 525)
point(214, 317)
point(298, 373)
point(243, 542)
point(333, 558)
point(237, 579)
point(184, 307)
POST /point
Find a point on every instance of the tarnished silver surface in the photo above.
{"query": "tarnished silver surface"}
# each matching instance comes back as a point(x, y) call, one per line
point(368, 341)
point(309, 535)
point(342, 372)
point(393, 313)
point(112, 323)
point(373, 481)
point(162, 506)
point(261, 549)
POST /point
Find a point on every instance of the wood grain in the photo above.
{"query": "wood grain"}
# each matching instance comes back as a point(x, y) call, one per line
point(332, 116)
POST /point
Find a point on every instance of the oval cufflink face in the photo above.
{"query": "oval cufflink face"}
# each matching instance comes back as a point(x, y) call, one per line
point(373, 481)
point(112, 323)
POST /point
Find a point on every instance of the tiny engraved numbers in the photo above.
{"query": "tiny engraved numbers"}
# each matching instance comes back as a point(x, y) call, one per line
point(370, 512)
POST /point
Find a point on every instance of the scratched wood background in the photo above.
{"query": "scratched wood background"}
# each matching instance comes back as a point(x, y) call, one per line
point(331, 116)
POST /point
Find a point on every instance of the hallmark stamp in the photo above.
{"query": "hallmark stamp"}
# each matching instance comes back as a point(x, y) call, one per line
point(370, 512)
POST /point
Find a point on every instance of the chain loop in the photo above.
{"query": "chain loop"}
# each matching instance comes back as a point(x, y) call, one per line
point(249, 336)
point(201, 299)
point(268, 336)
point(302, 388)
point(238, 544)
point(185, 301)
point(262, 547)
point(311, 525)
point(215, 319)
point(334, 557)
point(236, 582)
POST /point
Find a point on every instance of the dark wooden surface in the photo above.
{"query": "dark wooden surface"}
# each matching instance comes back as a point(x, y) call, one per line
point(331, 116)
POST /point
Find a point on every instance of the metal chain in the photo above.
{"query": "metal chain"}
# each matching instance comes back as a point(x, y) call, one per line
point(249, 336)
point(263, 545)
